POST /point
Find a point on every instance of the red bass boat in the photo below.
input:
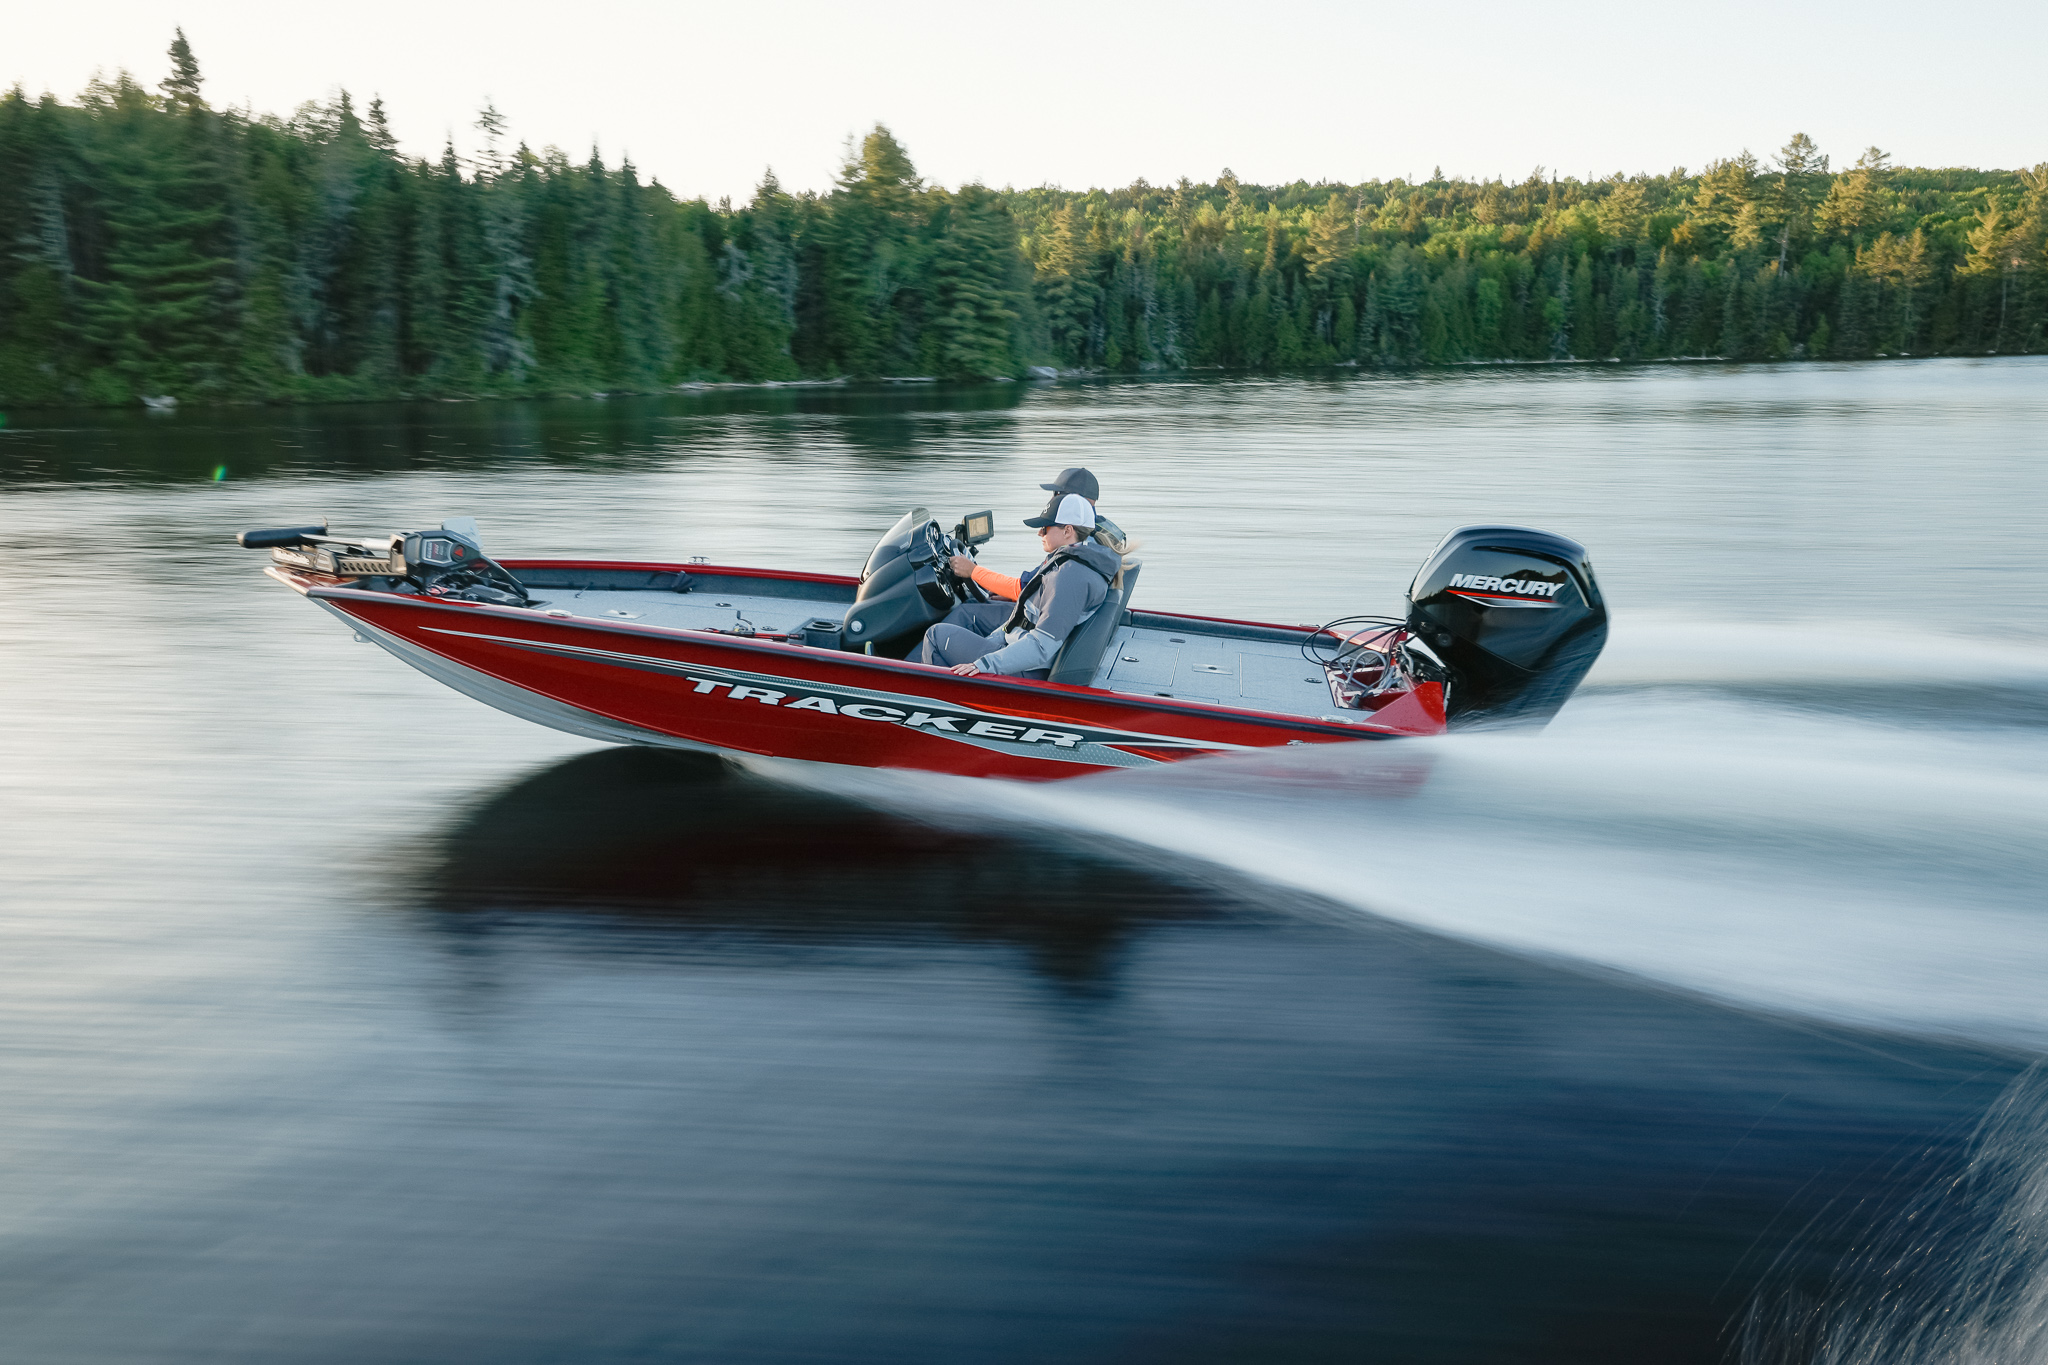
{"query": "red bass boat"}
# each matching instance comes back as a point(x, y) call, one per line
point(1502, 623)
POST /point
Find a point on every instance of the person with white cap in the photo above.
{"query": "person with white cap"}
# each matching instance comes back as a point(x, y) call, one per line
point(1076, 480)
point(1052, 599)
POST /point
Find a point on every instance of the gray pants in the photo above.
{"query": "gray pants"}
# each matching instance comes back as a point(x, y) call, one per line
point(970, 630)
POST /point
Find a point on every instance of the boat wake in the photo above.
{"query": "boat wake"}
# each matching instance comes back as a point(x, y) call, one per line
point(1844, 827)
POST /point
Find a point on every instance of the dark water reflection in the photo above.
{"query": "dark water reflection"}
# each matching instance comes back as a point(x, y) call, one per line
point(888, 421)
point(638, 839)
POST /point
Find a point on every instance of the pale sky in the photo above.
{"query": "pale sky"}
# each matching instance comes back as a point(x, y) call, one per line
point(703, 96)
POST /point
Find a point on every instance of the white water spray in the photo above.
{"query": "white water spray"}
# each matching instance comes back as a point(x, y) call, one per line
point(1873, 868)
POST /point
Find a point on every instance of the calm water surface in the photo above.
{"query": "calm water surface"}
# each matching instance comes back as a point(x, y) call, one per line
point(345, 1020)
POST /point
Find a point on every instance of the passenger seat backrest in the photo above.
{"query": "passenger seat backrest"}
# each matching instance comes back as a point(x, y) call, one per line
point(1081, 656)
point(1131, 580)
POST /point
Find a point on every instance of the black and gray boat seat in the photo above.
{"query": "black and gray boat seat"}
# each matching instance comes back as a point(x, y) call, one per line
point(1080, 657)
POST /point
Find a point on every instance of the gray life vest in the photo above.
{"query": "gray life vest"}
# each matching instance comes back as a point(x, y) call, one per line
point(1065, 555)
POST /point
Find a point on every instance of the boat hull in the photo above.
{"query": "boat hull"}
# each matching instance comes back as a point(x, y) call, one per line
point(702, 690)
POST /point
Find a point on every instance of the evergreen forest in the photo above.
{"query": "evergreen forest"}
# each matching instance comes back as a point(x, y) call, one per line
point(151, 244)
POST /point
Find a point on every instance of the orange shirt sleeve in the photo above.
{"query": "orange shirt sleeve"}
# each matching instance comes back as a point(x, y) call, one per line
point(996, 584)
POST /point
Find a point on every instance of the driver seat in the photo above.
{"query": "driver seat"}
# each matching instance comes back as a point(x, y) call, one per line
point(1080, 657)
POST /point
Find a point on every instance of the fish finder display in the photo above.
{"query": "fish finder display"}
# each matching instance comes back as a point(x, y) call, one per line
point(978, 528)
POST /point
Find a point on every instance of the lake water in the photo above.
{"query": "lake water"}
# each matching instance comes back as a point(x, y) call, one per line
point(345, 1020)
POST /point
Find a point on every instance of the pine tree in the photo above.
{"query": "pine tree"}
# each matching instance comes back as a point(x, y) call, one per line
point(1734, 341)
point(156, 316)
point(767, 236)
point(1630, 320)
point(1557, 310)
point(1856, 201)
point(1853, 338)
point(880, 248)
point(1435, 339)
point(1801, 164)
point(1725, 191)
point(1622, 212)
point(433, 332)
point(379, 130)
point(1821, 343)
point(1066, 293)
point(38, 302)
point(503, 275)
point(181, 87)
point(1292, 339)
point(1662, 284)
point(1988, 272)
point(699, 316)
point(1900, 267)
point(1585, 313)
point(1489, 299)
point(1399, 307)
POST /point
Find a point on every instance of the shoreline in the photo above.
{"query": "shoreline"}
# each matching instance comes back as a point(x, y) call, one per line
point(696, 386)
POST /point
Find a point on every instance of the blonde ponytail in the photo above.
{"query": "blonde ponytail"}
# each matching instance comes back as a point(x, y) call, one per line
point(1124, 548)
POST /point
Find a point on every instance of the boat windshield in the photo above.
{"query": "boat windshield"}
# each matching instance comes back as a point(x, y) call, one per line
point(893, 540)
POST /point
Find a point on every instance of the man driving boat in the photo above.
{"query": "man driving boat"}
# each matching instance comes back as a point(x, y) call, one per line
point(1076, 480)
point(1064, 590)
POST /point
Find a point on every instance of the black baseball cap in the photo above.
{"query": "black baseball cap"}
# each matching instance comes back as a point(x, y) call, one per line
point(1075, 480)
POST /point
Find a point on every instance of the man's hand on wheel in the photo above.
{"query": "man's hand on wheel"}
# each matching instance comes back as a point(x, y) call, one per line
point(961, 565)
point(968, 669)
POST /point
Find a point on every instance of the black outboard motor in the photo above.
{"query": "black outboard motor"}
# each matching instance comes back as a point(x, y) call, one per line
point(1517, 618)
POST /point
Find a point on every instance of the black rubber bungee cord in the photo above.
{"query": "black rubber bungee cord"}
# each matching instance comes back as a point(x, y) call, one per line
point(1347, 649)
point(1384, 638)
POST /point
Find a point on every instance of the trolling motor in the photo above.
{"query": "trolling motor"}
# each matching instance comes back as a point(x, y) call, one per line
point(1515, 615)
point(448, 563)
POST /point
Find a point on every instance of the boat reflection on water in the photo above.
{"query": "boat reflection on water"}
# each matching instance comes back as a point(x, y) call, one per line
point(635, 838)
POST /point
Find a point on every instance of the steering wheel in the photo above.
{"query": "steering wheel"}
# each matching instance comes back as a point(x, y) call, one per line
point(943, 547)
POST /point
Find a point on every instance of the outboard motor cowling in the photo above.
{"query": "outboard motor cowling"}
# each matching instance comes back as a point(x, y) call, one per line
point(1516, 616)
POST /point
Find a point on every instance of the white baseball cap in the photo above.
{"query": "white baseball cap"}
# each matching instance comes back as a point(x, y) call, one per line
point(1069, 509)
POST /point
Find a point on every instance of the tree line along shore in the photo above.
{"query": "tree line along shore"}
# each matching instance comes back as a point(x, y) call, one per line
point(153, 245)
